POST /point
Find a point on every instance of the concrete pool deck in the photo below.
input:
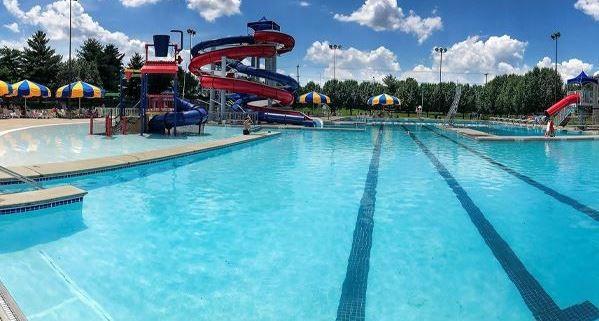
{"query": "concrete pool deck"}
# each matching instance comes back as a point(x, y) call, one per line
point(9, 310)
point(482, 136)
point(12, 124)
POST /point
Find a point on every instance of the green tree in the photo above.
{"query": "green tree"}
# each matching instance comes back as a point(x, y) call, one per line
point(41, 61)
point(11, 64)
point(110, 67)
point(134, 84)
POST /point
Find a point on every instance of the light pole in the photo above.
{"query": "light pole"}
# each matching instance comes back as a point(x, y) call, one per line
point(555, 36)
point(486, 77)
point(334, 48)
point(191, 33)
point(440, 50)
point(70, 65)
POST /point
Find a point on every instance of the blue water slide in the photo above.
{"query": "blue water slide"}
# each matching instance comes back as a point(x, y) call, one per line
point(188, 114)
point(289, 82)
point(221, 42)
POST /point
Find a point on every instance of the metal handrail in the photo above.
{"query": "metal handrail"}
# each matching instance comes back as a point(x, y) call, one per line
point(21, 178)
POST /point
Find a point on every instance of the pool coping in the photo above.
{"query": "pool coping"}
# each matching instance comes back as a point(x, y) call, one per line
point(482, 136)
point(43, 172)
point(9, 310)
point(39, 199)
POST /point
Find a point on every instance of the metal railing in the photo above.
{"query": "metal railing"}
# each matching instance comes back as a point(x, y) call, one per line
point(21, 178)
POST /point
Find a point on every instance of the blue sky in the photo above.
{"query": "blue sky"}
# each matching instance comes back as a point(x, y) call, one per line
point(379, 36)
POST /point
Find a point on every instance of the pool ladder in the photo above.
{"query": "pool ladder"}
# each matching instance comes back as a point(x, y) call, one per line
point(21, 178)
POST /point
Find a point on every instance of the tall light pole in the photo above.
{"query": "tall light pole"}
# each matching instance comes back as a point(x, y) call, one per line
point(555, 36)
point(440, 50)
point(70, 65)
point(334, 48)
point(486, 77)
point(191, 33)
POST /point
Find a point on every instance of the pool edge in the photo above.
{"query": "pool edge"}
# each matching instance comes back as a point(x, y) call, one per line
point(9, 310)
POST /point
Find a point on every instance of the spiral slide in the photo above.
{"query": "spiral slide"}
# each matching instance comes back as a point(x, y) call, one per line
point(188, 114)
point(263, 44)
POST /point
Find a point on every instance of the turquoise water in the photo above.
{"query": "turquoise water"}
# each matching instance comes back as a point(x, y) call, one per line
point(49, 144)
point(265, 231)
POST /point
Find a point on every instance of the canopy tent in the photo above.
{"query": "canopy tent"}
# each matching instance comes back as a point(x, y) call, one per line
point(583, 78)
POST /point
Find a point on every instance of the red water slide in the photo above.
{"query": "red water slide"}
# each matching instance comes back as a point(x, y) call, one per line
point(268, 44)
point(567, 101)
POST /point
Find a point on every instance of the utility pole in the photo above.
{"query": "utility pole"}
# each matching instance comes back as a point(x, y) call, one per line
point(555, 36)
point(334, 48)
point(440, 50)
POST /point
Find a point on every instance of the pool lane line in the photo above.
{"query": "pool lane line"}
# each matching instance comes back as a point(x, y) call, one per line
point(540, 303)
point(589, 211)
point(352, 303)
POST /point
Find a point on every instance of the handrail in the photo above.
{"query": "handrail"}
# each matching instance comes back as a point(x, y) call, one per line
point(21, 178)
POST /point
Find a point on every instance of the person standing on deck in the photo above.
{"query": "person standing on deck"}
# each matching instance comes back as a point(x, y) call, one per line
point(247, 124)
point(550, 131)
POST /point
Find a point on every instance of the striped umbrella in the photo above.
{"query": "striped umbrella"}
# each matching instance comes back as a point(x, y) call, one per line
point(79, 89)
point(314, 98)
point(29, 89)
point(5, 88)
point(383, 100)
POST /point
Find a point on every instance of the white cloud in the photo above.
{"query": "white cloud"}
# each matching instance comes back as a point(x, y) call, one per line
point(589, 7)
point(137, 3)
point(567, 69)
point(353, 63)
point(469, 60)
point(304, 4)
point(14, 27)
point(53, 18)
point(212, 9)
point(387, 15)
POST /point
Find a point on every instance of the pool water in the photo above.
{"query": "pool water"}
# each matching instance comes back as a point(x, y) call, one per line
point(49, 144)
point(391, 223)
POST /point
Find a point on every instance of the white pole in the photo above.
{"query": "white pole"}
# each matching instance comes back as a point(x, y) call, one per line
point(223, 72)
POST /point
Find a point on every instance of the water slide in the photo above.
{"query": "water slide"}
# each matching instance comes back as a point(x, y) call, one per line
point(563, 108)
point(263, 44)
point(187, 114)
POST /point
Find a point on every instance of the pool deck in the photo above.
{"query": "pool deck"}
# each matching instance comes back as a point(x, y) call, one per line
point(43, 198)
point(482, 136)
point(43, 172)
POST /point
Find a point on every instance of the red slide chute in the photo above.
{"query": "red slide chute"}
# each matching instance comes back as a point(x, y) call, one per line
point(568, 100)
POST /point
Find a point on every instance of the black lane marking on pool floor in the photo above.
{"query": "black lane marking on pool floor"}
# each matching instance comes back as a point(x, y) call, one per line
point(592, 213)
point(352, 304)
point(536, 298)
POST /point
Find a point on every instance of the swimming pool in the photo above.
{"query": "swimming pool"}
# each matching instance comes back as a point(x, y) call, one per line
point(397, 222)
point(49, 144)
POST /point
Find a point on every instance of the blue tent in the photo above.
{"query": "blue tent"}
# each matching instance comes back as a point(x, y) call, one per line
point(583, 79)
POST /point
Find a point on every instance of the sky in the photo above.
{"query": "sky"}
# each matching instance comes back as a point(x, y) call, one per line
point(378, 37)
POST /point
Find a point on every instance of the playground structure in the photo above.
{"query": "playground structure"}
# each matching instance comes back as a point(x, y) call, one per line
point(224, 56)
point(583, 100)
point(157, 112)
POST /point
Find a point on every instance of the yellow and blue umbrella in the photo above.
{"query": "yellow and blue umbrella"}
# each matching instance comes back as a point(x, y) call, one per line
point(5, 88)
point(383, 100)
point(29, 89)
point(79, 89)
point(314, 98)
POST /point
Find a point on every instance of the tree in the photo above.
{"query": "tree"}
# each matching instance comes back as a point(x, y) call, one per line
point(392, 84)
point(91, 50)
point(110, 67)
point(42, 63)
point(192, 85)
point(134, 84)
point(11, 64)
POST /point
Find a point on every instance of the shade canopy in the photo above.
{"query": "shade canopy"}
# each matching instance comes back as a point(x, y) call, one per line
point(383, 100)
point(79, 89)
point(5, 88)
point(29, 89)
point(314, 98)
point(583, 78)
